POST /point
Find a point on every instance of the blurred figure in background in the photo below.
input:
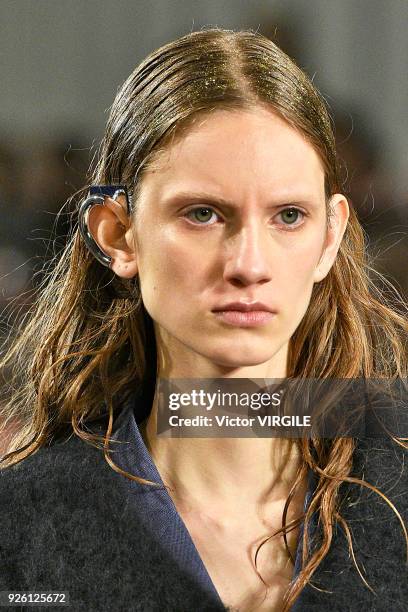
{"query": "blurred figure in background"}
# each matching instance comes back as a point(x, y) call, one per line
point(370, 190)
point(35, 183)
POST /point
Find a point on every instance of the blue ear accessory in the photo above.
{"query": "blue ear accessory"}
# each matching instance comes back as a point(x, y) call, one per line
point(96, 197)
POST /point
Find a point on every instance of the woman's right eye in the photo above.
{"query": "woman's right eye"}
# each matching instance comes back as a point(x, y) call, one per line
point(202, 215)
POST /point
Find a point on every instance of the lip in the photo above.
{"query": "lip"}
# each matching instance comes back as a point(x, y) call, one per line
point(244, 314)
point(244, 307)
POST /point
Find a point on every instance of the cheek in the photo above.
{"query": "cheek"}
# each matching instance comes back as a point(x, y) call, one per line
point(168, 270)
point(302, 269)
point(297, 276)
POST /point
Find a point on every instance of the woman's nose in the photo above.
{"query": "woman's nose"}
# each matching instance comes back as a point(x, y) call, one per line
point(248, 256)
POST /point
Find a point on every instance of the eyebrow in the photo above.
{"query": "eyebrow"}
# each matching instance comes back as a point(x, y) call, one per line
point(202, 197)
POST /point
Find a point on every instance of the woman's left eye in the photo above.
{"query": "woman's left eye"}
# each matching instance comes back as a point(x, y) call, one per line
point(290, 216)
point(204, 215)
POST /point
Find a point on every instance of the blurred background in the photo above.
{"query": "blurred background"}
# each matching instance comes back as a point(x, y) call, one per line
point(63, 60)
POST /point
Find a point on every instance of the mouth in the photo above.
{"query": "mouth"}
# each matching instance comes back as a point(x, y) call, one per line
point(244, 314)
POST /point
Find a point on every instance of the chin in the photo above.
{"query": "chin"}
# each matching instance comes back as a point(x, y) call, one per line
point(239, 358)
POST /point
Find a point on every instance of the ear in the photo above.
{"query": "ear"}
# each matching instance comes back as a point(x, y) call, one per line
point(111, 228)
point(339, 208)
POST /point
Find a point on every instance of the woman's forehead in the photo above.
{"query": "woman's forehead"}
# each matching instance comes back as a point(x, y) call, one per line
point(235, 151)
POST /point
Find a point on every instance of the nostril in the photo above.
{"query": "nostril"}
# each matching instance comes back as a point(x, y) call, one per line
point(245, 280)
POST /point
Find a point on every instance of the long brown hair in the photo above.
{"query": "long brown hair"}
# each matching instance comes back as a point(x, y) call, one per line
point(88, 339)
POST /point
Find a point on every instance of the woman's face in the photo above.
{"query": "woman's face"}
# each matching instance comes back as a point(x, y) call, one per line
point(233, 212)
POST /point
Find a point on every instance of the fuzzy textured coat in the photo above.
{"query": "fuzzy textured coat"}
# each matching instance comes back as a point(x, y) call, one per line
point(71, 523)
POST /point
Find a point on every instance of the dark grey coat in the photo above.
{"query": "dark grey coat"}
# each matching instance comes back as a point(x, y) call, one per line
point(70, 523)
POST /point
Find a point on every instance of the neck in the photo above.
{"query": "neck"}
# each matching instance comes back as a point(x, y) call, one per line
point(244, 474)
point(237, 473)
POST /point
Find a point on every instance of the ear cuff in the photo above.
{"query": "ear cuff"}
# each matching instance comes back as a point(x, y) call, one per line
point(96, 197)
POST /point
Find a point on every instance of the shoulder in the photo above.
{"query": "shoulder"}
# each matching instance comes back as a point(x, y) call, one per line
point(64, 492)
point(66, 475)
point(68, 458)
point(378, 513)
point(383, 463)
point(375, 516)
